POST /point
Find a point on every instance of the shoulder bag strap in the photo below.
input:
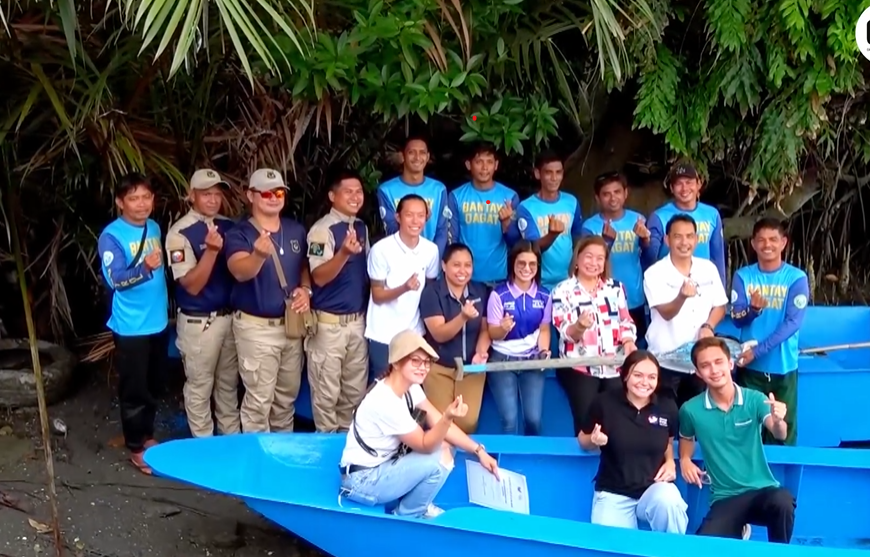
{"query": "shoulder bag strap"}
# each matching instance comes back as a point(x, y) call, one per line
point(282, 280)
point(141, 248)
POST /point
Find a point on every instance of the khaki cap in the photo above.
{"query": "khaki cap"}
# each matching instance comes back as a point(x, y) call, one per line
point(406, 343)
point(266, 179)
point(204, 179)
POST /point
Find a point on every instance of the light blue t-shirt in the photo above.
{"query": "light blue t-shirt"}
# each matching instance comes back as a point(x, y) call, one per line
point(625, 253)
point(777, 327)
point(392, 191)
point(533, 222)
point(140, 303)
point(711, 240)
point(474, 222)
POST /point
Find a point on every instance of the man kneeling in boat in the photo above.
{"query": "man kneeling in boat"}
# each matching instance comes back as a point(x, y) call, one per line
point(726, 420)
point(635, 432)
point(388, 457)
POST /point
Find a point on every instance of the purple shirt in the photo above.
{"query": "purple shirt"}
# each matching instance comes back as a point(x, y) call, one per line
point(530, 310)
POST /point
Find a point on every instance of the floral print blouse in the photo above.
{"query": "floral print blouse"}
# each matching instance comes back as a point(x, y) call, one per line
point(612, 323)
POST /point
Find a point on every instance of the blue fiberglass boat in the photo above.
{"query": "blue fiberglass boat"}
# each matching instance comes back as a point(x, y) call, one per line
point(292, 479)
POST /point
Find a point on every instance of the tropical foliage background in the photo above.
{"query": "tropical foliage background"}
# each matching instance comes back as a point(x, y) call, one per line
point(769, 96)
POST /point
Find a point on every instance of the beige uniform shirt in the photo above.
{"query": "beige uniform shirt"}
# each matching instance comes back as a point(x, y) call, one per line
point(179, 251)
point(321, 240)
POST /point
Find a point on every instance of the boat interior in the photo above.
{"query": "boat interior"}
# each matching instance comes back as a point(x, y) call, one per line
point(293, 478)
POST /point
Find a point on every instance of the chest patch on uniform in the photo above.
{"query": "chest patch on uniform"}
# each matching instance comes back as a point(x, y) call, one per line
point(176, 256)
point(315, 249)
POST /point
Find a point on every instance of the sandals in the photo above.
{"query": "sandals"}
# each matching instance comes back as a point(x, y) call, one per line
point(138, 458)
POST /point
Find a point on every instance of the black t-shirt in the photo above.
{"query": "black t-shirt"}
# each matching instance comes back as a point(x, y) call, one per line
point(636, 441)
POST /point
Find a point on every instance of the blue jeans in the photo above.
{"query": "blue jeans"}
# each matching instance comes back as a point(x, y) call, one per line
point(379, 359)
point(512, 388)
point(413, 480)
point(661, 505)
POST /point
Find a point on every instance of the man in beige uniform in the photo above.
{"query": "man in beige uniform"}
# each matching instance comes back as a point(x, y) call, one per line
point(269, 362)
point(338, 354)
point(204, 322)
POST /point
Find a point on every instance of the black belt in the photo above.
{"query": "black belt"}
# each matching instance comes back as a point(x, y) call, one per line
point(351, 468)
point(216, 313)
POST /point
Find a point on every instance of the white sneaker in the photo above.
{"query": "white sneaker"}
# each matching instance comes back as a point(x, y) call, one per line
point(432, 511)
point(747, 531)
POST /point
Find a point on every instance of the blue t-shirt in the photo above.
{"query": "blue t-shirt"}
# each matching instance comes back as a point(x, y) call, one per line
point(776, 327)
point(533, 222)
point(625, 253)
point(474, 222)
point(262, 295)
point(711, 239)
point(140, 302)
point(392, 191)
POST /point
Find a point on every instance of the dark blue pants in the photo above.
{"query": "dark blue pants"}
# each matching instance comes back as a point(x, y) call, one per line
point(379, 358)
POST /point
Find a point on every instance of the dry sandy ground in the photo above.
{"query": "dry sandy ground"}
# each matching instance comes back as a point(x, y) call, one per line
point(107, 509)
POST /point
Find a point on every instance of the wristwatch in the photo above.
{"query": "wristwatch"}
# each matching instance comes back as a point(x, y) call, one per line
point(708, 326)
point(307, 289)
point(479, 449)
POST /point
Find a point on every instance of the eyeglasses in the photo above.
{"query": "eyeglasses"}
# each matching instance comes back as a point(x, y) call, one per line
point(276, 194)
point(420, 363)
point(529, 264)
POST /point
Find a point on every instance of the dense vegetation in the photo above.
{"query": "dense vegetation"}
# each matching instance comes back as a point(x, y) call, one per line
point(770, 97)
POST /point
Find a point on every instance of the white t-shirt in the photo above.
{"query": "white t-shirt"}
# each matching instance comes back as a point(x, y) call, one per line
point(382, 417)
point(661, 284)
point(391, 261)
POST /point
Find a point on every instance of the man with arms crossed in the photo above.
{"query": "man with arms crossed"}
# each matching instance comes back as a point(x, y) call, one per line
point(768, 303)
point(686, 299)
point(726, 420)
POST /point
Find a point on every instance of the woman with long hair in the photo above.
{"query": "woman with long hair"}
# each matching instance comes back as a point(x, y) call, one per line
point(518, 317)
point(591, 314)
point(388, 457)
point(635, 431)
point(453, 309)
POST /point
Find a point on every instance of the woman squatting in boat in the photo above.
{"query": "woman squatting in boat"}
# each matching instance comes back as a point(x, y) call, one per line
point(388, 457)
point(635, 431)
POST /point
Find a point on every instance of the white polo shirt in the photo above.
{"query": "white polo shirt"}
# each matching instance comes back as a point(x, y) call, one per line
point(392, 262)
point(661, 284)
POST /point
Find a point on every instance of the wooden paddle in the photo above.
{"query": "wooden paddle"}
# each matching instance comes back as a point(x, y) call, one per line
point(555, 363)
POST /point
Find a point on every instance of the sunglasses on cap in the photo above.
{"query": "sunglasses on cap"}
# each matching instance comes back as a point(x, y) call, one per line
point(273, 194)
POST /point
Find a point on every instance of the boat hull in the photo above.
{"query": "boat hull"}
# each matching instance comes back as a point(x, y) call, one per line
point(293, 481)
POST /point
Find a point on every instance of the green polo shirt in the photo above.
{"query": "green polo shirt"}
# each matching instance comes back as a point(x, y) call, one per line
point(730, 442)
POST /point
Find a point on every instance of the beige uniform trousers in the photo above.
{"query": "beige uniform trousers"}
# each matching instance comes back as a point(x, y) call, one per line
point(442, 388)
point(271, 368)
point(337, 369)
point(211, 369)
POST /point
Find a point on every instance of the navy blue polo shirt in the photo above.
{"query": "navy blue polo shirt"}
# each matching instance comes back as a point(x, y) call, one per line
point(636, 441)
point(436, 299)
point(262, 295)
point(348, 292)
point(215, 295)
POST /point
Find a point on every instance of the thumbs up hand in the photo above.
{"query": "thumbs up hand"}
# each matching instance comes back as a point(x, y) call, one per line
point(506, 212)
point(777, 408)
point(608, 231)
point(641, 230)
point(598, 438)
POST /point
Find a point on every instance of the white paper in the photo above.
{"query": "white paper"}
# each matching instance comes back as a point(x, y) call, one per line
point(510, 493)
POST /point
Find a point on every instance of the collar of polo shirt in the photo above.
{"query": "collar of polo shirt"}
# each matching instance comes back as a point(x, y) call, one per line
point(444, 290)
point(738, 398)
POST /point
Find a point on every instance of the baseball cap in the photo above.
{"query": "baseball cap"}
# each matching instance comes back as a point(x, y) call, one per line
point(266, 179)
point(204, 178)
point(683, 169)
point(406, 343)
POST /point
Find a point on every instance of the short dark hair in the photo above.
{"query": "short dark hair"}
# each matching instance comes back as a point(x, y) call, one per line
point(130, 182)
point(709, 342)
point(635, 358)
point(519, 248)
point(453, 248)
point(336, 177)
point(680, 217)
point(546, 157)
point(415, 137)
point(608, 178)
point(482, 148)
point(770, 223)
point(411, 197)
